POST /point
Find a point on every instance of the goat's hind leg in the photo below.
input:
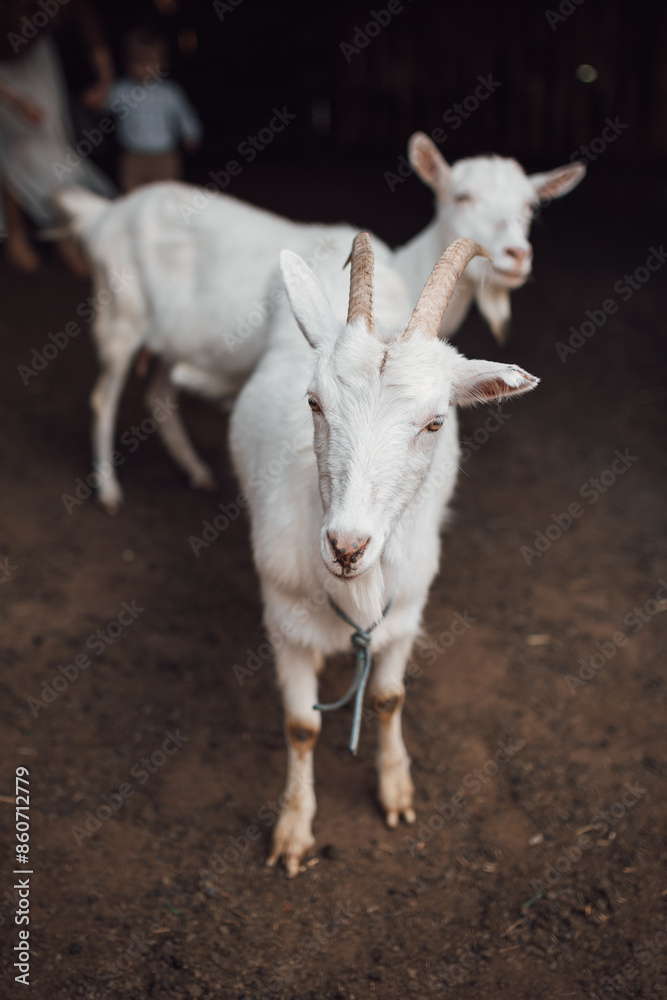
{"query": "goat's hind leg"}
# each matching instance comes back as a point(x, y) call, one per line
point(104, 403)
point(396, 791)
point(162, 400)
point(293, 839)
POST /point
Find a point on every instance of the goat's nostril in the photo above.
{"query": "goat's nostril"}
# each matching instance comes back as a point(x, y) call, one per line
point(345, 550)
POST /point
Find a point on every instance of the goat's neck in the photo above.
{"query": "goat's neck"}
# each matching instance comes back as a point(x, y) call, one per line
point(415, 261)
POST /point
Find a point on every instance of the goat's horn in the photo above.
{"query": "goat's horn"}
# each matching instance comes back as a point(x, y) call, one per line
point(361, 281)
point(440, 286)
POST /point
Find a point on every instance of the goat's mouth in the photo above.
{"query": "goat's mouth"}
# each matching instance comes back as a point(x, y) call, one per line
point(346, 572)
point(510, 277)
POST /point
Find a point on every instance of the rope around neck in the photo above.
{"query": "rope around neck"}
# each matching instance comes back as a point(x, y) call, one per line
point(361, 644)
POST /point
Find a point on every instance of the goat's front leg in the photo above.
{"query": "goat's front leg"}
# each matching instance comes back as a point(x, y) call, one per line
point(387, 691)
point(297, 671)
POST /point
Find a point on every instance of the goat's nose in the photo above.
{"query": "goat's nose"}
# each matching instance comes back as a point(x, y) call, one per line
point(347, 548)
point(519, 254)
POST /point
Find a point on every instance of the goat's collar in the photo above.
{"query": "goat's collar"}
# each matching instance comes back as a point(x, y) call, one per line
point(361, 644)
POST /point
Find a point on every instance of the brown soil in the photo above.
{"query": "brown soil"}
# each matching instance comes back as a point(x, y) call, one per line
point(486, 903)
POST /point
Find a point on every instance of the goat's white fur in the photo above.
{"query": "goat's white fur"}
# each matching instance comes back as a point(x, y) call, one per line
point(365, 467)
point(192, 275)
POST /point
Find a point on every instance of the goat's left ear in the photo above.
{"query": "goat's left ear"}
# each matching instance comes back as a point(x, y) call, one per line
point(430, 165)
point(482, 381)
point(556, 183)
point(311, 307)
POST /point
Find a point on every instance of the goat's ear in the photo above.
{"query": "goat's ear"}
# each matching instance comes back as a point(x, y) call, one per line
point(429, 164)
point(482, 381)
point(309, 303)
point(558, 182)
point(494, 304)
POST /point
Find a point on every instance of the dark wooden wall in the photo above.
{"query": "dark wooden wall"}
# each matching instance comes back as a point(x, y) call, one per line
point(257, 54)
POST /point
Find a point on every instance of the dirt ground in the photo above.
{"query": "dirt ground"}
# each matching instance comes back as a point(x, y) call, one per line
point(536, 873)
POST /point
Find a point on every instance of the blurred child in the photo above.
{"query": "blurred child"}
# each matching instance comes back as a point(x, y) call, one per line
point(153, 114)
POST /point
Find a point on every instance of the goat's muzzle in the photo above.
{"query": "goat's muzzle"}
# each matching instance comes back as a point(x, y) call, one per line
point(347, 550)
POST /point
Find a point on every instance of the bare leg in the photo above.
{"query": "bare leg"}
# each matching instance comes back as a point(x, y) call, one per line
point(71, 254)
point(395, 790)
point(297, 676)
point(162, 399)
point(18, 248)
point(104, 403)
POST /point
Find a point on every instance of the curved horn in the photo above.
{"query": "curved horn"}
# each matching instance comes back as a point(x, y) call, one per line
point(440, 286)
point(361, 281)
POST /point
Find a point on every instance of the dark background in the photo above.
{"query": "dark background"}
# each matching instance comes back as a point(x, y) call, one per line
point(462, 915)
point(237, 63)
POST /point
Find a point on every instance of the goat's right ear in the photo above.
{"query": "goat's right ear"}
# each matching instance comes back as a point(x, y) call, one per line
point(481, 381)
point(310, 306)
point(429, 164)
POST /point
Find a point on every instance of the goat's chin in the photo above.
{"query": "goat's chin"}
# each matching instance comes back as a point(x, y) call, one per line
point(506, 279)
point(367, 593)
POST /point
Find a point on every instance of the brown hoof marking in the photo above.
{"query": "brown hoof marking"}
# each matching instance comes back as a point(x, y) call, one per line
point(386, 705)
point(302, 738)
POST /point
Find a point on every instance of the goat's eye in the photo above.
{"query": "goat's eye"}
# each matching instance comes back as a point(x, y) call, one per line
point(462, 198)
point(314, 405)
point(435, 425)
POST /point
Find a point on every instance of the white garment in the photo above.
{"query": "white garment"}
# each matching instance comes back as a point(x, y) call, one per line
point(29, 153)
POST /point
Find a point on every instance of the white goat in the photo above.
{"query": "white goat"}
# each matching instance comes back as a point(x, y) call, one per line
point(354, 511)
point(199, 278)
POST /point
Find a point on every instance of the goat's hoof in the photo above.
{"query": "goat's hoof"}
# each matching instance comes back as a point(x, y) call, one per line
point(292, 841)
point(203, 481)
point(397, 793)
point(111, 500)
point(392, 817)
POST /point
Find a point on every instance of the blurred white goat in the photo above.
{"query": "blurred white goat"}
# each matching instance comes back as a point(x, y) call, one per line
point(207, 278)
point(354, 514)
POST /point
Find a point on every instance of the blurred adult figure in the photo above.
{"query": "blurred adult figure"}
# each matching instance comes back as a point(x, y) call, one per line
point(35, 126)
